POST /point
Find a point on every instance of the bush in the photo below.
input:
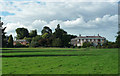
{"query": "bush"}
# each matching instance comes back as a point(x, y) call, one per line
point(79, 46)
point(86, 44)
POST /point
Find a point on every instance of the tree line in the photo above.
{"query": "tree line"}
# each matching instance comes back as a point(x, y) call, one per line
point(59, 38)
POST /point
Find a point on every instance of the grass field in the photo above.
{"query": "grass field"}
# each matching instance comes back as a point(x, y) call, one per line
point(59, 61)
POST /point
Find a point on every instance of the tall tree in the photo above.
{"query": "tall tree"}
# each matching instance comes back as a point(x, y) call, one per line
point(59, 32)
point(46, 30)
point(3, 37)
point(10, 41)
point(33, 33)
point(21, 33)
point(118, 39)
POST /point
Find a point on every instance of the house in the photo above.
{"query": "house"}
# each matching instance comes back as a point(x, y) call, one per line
point(22, 42)
point(78, 41)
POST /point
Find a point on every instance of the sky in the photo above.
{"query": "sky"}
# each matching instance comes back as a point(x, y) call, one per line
point(82, 17)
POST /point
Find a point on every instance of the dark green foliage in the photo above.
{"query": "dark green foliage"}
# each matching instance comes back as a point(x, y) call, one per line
point(10, 41)
point(46, 30)
point(42, 42)
point(61, 36)
point(28, 39)
point(34, 42)
point(86, 44)
point(65, 40)
point(33, 33)
point(57, 42)
point(110, 45)
point(2, 31)
point(21, 33)
point(46, 35)
point(99, 45)
point(59, 32)
point(118, 39)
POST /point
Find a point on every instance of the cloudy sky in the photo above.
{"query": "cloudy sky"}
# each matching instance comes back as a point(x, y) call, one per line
point(85, 18)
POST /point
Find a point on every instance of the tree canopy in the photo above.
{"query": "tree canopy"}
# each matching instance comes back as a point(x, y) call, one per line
point(118, 39)
point(10, 41)
point(46, 30)
point(33, 33)
point(21, 33)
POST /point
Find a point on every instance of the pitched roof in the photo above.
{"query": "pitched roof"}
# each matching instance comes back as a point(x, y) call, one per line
point(89, 37)
point(20, 40)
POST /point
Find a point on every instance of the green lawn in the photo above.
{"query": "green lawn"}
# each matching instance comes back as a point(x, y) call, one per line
point(59, 61)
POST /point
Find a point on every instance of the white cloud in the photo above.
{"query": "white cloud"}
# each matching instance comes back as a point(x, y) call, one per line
point(76, 24)
point(75, 17)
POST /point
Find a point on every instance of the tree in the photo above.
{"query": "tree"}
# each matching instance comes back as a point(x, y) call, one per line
point(3, 37)
point(34, 42)
point(10, 41)
point(33, 33)
point(59, 32)
point(28, 39)
point(46, 30)
point(109, 44)
point(21, 33)
point(43, 42)
point(58, 26)
point(57, 42)
point(63, 36)
point(118, 39)
point(45, 35)
point(65, 40)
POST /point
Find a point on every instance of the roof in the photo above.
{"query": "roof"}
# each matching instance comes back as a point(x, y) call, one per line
point(89, 37)
point(20, 41)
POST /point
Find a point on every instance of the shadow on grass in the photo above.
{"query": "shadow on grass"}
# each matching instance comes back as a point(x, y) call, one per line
point(10, 49)
point(34, 51)
point(45, 55)
point(20, 51)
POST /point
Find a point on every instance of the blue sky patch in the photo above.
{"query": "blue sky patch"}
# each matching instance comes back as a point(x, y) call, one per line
point(5, 13)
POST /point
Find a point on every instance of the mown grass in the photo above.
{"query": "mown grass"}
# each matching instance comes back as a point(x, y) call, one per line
point(59, 61)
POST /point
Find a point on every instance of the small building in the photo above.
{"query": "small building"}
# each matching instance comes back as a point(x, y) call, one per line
point(78, 41)
point(22, 42)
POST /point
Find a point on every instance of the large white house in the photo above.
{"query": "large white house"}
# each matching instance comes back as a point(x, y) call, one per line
point(78, 41)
